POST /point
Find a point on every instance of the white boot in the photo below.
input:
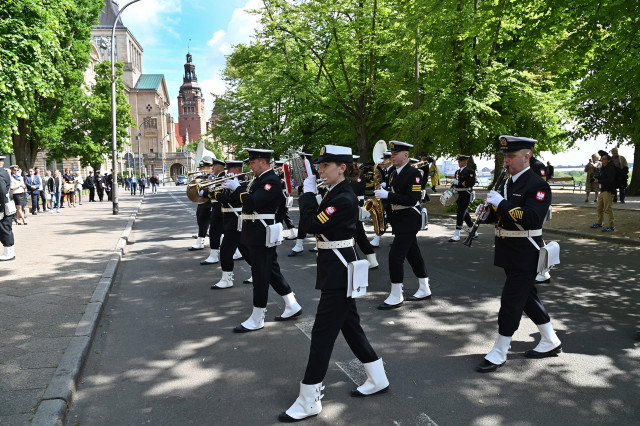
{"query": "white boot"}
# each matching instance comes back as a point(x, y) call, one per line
point(255, 321)
point(297, 248)
point(291, 309)
point(9, 253)
point(248, 280)
point(237, 255)
point(199, 245)
point(424, 292)
point(456, 236)
point(293, 235)
point(544, 277)
point(377, 381)
point(549, 344)
point(375, 241)
point(225, 282)
point(214, 257)
point(373, 261)
point(395, 298)
point(307, 404)
point(498, 355)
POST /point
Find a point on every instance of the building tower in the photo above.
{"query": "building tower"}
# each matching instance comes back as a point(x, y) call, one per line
point(191, 110)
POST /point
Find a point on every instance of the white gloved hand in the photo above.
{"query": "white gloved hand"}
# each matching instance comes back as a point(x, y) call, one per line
point(382, 194)
point(479, 209)
point(231, 184)
point(383, 185)
point(494, 198)
point(310, 184)
point(201, 192)
point(455, 181)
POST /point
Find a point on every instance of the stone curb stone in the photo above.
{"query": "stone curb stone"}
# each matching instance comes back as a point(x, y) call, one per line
point(101, 294)
point(50, 413)
point(112, 267)
point(63, 384)
point(89, 321)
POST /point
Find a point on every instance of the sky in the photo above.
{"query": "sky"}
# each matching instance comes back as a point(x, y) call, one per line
point(209, 28)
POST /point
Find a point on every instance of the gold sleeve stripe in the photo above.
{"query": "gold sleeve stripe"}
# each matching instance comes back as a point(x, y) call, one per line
point(323, 218)
point(516, 214)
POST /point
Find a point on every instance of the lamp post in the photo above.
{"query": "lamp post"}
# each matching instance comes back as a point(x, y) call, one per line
point(114, 146)
point(163, 165)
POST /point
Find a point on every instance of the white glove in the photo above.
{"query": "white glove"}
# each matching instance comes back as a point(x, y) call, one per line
point(494, 198)
point(383, 185)
point(455, 181)
point(201, 192)
point(383, 194)
point(231, 184)
point(310, 184)
point(479, 209)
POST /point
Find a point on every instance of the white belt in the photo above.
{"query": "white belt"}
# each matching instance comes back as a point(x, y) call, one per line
point(395, 207)
point(231, 210)
point(328, 245)
point(361, 197)
point(520, 234)
point(258, 216)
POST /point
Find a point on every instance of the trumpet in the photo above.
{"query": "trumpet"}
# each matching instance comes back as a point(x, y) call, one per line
point(217, 181)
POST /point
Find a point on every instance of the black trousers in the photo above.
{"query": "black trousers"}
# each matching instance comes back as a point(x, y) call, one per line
point(519, 294)
point(215, 228)
point(34, 202)
point(44, 200)
point(100, 193)
point(92, 194)
point(203, 217)
point(462, 214)
point(282, 214)
point(230, 243)
point(336, 313)
point(405, 246)
point(362, 240)
point(6, 230)
point(266, 271)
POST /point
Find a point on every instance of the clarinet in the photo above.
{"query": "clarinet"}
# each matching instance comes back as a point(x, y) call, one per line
point(486, 205)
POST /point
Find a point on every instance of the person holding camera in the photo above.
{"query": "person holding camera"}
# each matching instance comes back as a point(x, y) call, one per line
point(622, 174)
point(607, 181)
point(592, 169)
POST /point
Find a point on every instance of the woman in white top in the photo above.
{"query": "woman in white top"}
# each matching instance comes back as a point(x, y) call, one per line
point(18, 191)
point(77, 189)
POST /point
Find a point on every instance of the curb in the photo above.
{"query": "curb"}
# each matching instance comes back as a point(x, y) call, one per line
point(574, 234)
point(55, 402)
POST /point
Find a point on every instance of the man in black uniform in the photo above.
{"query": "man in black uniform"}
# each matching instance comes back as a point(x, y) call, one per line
point(259, 204)
point(6, 222)
point(282, 214)
point(301, 234)
point(518, 210)
point(203, 211)
point(91, 184)
point(215, 219)
point(463, 182)
point(403, 202)
point(359, 185)
point(100, 185)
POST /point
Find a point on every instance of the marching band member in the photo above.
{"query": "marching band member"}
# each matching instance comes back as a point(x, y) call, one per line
point(215, 221)
point(231, 209)
point(302, 233)
point(463, 182)
point(403, 197)
point(282, 214)
point(259, 204)
point(540, 169)
point(335, 219)
point(384, 170)
point(519, 211)
point(358, 184)
point(203, 211)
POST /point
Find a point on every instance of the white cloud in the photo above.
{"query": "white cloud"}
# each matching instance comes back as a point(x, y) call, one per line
point(216, 37)
point(147, 16)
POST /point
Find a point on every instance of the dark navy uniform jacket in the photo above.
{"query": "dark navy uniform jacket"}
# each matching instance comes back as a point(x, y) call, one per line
point(407, 191)
point(335, 218)
point(5, 186)
point(261, 196)
point(526, 204)
point(225, 200)
point(538, 167)
point(359, 185)
point(466, 178)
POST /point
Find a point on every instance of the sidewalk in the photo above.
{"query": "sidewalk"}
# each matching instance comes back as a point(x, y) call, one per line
point(45, 292)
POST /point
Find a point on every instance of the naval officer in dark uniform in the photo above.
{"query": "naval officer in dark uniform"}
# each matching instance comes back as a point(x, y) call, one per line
point(334, 223)
point(6, 222)
point(259, 204)
point(518, 210)
point(403, 212)
point(215, 217)
point(203, 211)
point(359, 184)
point(463, 182)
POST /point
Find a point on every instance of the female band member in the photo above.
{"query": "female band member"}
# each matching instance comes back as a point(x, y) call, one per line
point(334, 219)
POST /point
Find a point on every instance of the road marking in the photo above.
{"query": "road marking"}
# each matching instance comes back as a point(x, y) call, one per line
point(305, 327)
point(183, 204)
point(422, 419)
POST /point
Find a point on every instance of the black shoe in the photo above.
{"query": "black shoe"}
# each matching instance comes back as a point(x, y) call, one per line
point(313, 250)
point(34, 213)
point(538, 355)
point(285, 418)
point(357, 394)
point(204, 262)
point(195, 249)
point(242, 329)
point(247, 282)
point(487, 366)
point(386, 307)
point(294, 253)
point(297, 314)
point(417, 299)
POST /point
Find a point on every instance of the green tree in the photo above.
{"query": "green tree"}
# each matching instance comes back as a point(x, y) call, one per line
point(208, 144)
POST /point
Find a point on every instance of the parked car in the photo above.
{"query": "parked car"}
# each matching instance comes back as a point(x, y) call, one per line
point(182, 180)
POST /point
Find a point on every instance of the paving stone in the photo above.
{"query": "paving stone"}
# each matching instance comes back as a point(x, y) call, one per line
point(17, 419)
point(18, 401)
point(45, 344)
point(29, 379)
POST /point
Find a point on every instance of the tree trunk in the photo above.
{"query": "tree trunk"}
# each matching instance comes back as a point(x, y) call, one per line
point(24, 148)
point(634, 185)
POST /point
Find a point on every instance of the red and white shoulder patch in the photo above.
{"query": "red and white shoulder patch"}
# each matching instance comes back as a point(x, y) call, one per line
point(330, 210)
point(359, 180)
point(540, 195)
point(417, 179)
point(543, 172)
point(267, 187)
point(470, 174)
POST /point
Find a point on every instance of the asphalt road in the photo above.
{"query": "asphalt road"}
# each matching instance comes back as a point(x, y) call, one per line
point(165, 353)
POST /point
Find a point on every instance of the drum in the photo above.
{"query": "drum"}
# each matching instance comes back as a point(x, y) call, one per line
point(449, 197)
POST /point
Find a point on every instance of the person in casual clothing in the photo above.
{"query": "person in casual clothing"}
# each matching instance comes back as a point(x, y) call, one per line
point(592, 169)
point(143, 184)
point(77, 181)
point(154, 184)
point(607, 181)
point(622, 175)
point(134, 184)
point(18, 191)
point(45, 192)
point(56, 186)
point(434, 173)
point(550, 171)
point(69, 187)
point(33, 182)
point(6, 225)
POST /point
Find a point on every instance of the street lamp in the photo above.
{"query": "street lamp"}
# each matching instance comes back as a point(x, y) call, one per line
point(114, 147)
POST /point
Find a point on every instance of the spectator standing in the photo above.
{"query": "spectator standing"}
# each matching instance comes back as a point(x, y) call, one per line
point(100, 185)
point(127, 183)
point(33, 182)
point(46, 203)
point(434, 173)
point(42, 196)
point(592, 169)
point(607, 181)
point(134, 184)
point(143, 184)
point(6, 224)
point(69, 187)
point(622, 175)
point(78, 182)
point(56, 186)
point(550, 171)
point(153, 180)
point(18, 191)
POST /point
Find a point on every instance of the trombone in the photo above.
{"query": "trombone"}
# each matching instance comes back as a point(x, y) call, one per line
point(217, 181)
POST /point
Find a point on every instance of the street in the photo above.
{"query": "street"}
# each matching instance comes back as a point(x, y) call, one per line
point(165, 353)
